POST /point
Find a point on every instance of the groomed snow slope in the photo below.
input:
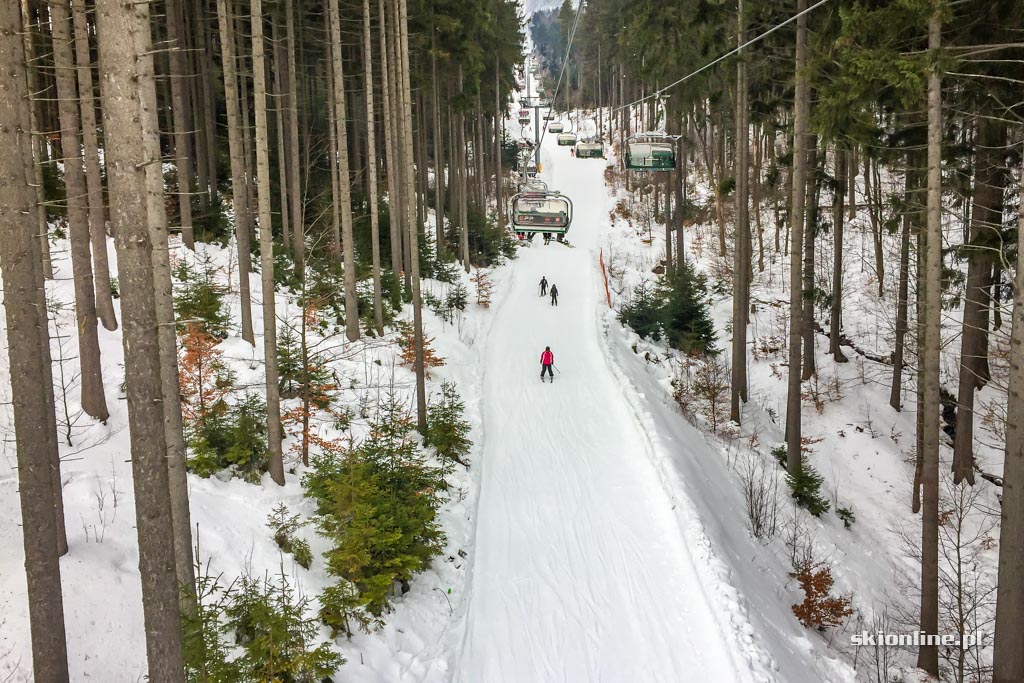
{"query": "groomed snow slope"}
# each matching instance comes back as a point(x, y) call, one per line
point(582, 572)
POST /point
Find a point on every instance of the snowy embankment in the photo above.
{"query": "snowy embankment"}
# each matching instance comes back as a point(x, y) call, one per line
point(861, 446)
point(102, 594)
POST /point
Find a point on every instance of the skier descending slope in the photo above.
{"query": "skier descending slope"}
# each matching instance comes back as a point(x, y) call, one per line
point(580, 571)
point(547, 359)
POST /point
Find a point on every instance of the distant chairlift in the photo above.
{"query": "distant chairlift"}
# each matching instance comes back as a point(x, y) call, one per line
point(555, 127)
point(567, 139)
point(524, 116)
point(549, 116)
point(539, 210)
point(589, 149)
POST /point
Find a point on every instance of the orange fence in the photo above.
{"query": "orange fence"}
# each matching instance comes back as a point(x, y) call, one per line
point(604, 274)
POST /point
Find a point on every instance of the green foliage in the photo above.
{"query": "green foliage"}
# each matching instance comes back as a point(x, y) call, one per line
point(446, 429)
point(446, 270)
point(489, 244)
point(687, 323)
point(277, 637)
point(806, 490)
point(341, 606)
point(391, 289)
point(644, 311)
point(204, 632)
point(846, 514)
point(285, 526)
point(456, 297)
point(235, 439)
point(377, 502)
point(296, 375)
point(199, 297)
point(674, 308)
point(54, 193)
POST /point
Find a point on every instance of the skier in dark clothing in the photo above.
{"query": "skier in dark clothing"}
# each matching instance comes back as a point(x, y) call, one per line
point(554, 295)
point(543, 286)
point(547, 359)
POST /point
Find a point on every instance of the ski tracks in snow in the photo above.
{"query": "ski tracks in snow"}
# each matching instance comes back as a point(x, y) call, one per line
point(585, 567)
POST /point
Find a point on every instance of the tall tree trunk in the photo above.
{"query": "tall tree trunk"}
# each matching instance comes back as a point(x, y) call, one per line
point(93, 178)
point(872, 184)
point(283, 139)
point(35, 439)
point(838, 218)
point(928, 655)
point(236, 153)
point(32, 78)
point(129, 96)
point(811, 227)
point(680, 183)
point(1008, 657)
point(796, 221)
point(911, 185)
point(244, 73)
point(210, 99)
point(439, 179)
point(371, 169)
point(755, 190)
point(295, 203)
point(275, 462)
point(421, 390)
point(985, 242)
point(499, 127)
point(460, 157)
point(741, 260)
point(180, 105)
point(93, 399)
point(332, 154)
point(389, 110)
point(348, 248)
point(174, 437)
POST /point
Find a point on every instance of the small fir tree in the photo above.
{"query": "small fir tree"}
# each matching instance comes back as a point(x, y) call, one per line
point(430, 357)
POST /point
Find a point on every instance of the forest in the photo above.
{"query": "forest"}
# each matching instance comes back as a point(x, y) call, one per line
point(249, 250)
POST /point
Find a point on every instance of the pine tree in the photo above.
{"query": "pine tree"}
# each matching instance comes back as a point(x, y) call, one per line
point(35, 440)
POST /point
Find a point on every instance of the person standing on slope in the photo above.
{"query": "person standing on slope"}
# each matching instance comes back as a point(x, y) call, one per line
point(543, 286)
point(547, 359)
point(554, 295)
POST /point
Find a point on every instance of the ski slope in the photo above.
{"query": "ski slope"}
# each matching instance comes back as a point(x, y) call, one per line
point(581, 571)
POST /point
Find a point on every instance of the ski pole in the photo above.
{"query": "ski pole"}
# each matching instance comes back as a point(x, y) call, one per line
point(556, 368)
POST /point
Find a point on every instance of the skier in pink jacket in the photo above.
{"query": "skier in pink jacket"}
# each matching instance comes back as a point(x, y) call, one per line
point(547, 359)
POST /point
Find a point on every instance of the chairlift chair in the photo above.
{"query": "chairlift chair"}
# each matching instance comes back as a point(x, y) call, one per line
point(555, 127)
point(567, 139)
point(524, 116)
point(541, 210)
point(650, 152)
point(589, 149)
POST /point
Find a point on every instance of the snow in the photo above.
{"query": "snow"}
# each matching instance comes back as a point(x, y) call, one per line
point(585, 569)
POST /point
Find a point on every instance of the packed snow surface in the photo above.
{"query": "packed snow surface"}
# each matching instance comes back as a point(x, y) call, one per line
point(582, 572)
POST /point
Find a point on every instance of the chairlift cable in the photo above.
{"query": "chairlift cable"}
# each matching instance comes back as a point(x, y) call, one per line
point(758, 38)
point(565, 61)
